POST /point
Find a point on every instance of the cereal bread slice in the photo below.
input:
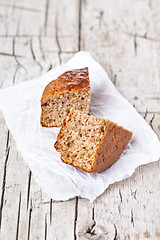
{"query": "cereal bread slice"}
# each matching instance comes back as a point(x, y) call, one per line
point(69, 90)
point(89, 143)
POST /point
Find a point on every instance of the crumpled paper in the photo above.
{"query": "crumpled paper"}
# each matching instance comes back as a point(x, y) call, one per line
point(21, 107)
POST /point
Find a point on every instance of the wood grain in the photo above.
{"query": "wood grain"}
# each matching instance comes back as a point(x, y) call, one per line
point(124, 36)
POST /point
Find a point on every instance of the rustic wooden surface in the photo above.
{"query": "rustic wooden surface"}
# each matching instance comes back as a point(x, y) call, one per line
point(124, 36)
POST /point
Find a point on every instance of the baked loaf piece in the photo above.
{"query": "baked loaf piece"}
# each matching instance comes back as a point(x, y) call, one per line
point(69, 90)
point(89, 143)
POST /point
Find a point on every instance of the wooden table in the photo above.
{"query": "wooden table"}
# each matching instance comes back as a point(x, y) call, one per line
point(124, 36)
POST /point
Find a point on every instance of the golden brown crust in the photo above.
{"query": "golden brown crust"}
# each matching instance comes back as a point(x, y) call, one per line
point(112, 146)
point(74, 80)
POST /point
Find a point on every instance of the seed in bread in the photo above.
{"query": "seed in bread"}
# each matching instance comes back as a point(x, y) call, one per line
point(89, 143)
point(69, 90)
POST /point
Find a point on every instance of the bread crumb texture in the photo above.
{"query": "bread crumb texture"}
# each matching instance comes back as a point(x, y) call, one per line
point(69, 90)
point(89, 143)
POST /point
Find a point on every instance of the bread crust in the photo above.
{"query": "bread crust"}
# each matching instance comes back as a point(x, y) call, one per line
point(111, 147)
point(74, 80)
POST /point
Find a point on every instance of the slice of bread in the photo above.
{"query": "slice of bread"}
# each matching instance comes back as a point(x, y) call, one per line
point(89, 143)
point(69, 90)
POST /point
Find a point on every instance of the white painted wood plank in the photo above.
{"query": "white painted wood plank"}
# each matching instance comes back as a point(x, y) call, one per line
point(67, 25)
point(14, 191)
point(117, 38)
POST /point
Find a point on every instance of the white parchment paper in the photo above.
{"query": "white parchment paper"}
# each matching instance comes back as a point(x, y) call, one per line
point(20, 105)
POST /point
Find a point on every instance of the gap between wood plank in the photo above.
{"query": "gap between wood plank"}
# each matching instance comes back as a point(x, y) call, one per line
point(4, 177)
point(79, 25)
point(29, 221)
point(18, 218)
point(46, 16)
point(91, 230)
point(50, 211)
point(57, 40)
point(29, 184)
point(45, 229)
point(3, 185)
point(75, 219)
point(115, 234)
